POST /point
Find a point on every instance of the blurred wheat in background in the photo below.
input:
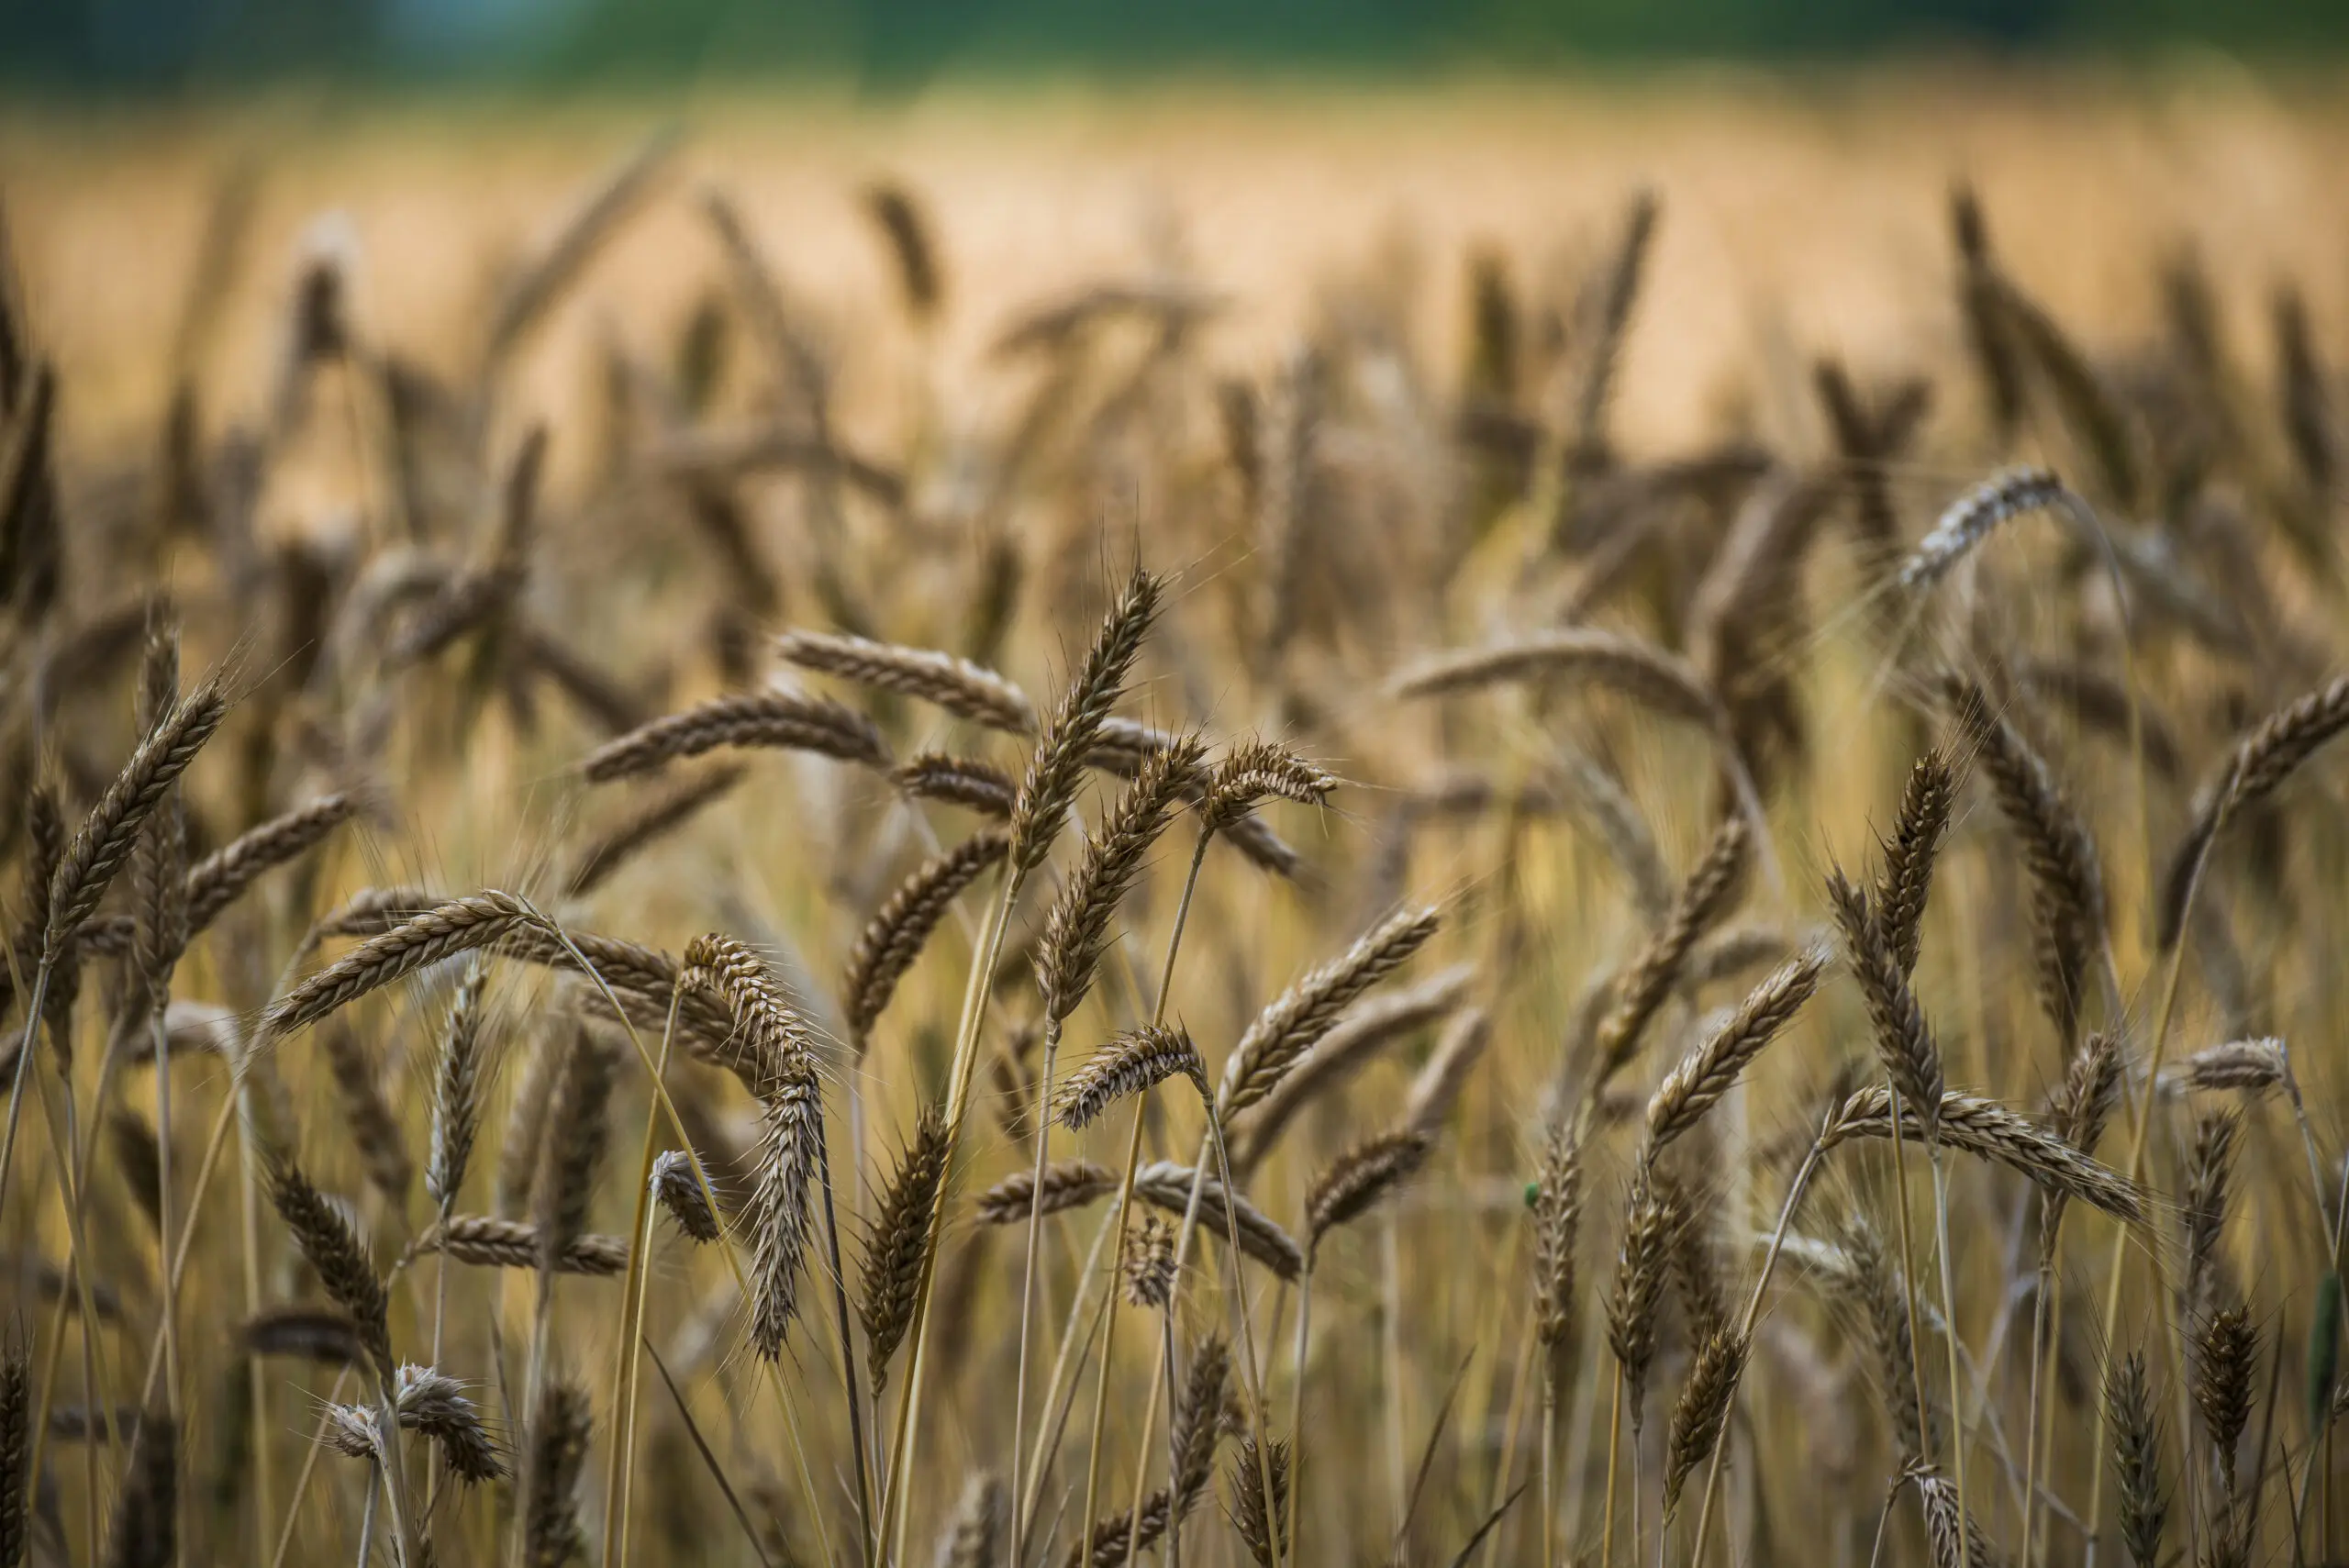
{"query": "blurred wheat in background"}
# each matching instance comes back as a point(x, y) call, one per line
point(1442, 827)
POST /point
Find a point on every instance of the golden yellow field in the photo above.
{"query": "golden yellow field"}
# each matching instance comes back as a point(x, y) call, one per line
point(1454, 581)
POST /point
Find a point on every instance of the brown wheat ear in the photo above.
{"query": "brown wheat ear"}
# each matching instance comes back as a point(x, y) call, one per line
point(146, 1524)
point(1360, 1179)
point(458, 1077)
point(552, 1533)
point(578, 1132)
point(1702, 1411)
point(2067, 881)
point(1255, 771)
point(967, 782)
point(1068, 1183)
point(2226, 1358)
point(325, 1238)
point(1952, 1536)
point(1065, 744)
point(2210, 1171)
point(1133, 1064)
point(461, 925)
point(2136, 1457)
point(435, 1404)
point(1262, 1520)
point(309, 1333)
point(894, 1251)
point(2256, 769)
point(15, 1442)
point(1300, 1016)
point(772, 720)
point(1076, 932)
point(1903, 1042)
point(680, 1196)
point(1906, 880)
point(1989, 1131)
point(967, 690)
point(486, 1241)
point(897, 933)
point(1149, 1266)
point(1635, 1308)
point(375, 1127)
point(1705, 898)
point(1697, 1083)
point(1557, 1219)
point(105, 838)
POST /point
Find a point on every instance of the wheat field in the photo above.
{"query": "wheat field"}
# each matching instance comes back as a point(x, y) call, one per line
point(1475, 826)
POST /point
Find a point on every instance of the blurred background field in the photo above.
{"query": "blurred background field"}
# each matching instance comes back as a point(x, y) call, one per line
point(1808, 212)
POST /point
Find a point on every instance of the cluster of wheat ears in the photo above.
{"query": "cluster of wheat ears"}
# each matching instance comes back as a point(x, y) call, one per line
point(1549, 1211)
